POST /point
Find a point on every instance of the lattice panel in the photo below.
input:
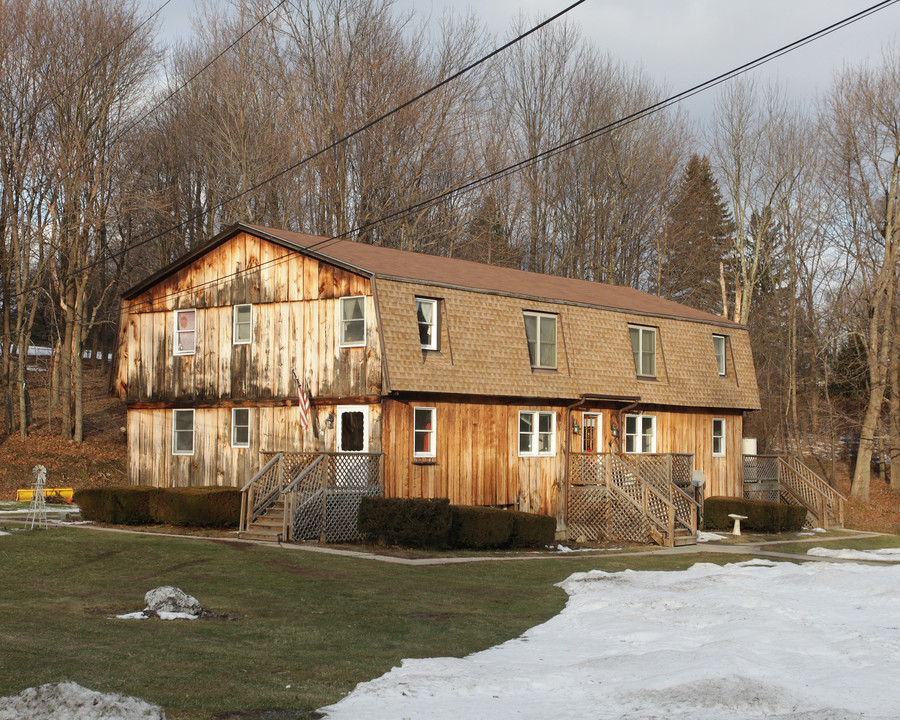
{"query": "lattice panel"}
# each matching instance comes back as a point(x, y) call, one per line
point(587, 512)
point(757, 468)
point(682, 470)
point(626, 522)
point(587, 469)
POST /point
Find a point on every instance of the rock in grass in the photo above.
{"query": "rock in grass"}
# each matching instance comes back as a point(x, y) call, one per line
point(168, 599)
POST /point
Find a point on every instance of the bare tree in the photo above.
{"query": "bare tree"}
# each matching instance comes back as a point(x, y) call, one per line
point(861, 119)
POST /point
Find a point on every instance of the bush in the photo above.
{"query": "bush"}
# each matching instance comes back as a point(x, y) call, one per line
point(531, 530)
point(762, 516)
point(142, 505)
point(197, 506)
point(412, 522)
point(480, 528)
point(122, 505)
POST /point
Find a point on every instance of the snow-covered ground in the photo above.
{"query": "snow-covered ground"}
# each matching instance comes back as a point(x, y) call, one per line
point(744, 641)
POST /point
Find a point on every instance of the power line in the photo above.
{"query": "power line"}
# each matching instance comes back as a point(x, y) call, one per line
point(337, 142)
point(574, 142)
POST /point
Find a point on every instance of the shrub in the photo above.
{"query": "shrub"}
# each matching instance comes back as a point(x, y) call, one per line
point(123, 505)
point(532, 530)
point(197, 506)
point(761, 516)
point(141, 505)
point(480, 528)
point(412, 522)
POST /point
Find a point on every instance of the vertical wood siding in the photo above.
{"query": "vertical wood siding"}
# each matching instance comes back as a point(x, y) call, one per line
point(215, 462)
point(476, 457)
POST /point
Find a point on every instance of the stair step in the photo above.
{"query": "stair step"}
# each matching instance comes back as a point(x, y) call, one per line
point(261, 535)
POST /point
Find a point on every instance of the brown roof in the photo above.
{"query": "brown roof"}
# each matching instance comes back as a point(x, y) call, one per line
point(393, 264)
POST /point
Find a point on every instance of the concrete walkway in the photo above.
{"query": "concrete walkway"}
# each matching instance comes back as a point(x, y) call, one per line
point(763, 548)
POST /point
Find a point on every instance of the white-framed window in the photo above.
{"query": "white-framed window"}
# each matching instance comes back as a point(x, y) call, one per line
point(240, 427)
point(185, 332)
point(643, 349)
point(537, 433)
point(352, 319)
point(719, 345)
point(183, 432)
point(427, 317)
point(718, 437)
point(424, 423)
point(540, 331)
point(243, 324)
point(640, 433)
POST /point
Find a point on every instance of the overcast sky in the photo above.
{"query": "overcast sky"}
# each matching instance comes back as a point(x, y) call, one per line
point(681, 43)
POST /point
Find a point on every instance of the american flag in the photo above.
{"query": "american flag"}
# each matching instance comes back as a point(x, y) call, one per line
point(304, 402)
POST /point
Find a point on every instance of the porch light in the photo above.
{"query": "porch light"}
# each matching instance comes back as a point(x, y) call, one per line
point(614, 430)
point(576, 428)
point(329, 421)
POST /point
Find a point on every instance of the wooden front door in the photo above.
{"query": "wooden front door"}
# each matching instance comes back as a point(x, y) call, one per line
point(591, 438)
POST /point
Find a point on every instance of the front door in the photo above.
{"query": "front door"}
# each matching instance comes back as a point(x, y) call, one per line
point(591, 439)
point(352, 437)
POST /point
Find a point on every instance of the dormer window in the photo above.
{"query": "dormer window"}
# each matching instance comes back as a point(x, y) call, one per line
point(719, 345)
point(643, 349)
point(185, 332)
point(540, 332)
point(352, 312)
point(427, 317)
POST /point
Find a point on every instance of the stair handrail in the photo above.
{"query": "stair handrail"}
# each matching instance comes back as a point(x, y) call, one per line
point(291, 505)
point(687, 510)
point(823, 495)
point(666, 527)
point(251, 506)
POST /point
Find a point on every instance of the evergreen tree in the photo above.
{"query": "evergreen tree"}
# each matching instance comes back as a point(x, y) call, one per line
point(695, 240)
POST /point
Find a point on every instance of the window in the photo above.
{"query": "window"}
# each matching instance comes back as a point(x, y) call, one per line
point(540, 331)
point(185, 332)
point(537, 433)
point(353, 321)
point(718, 437)
point(643, 348)
point(182, 432)
point(423, 419)
point(427, 316)
point(240, 427)
point(243, 324)
point(640, 433)
point(719, 347)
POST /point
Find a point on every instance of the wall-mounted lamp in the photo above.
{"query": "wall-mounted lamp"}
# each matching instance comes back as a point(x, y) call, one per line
point(576, 428)
point(614, 430)
point(329, 420)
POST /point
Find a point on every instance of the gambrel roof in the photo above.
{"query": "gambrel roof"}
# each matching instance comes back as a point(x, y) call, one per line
point(483, 349)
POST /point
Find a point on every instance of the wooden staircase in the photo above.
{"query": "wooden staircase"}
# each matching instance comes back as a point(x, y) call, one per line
point(269, 526)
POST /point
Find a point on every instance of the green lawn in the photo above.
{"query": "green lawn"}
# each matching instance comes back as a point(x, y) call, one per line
point(317, 623)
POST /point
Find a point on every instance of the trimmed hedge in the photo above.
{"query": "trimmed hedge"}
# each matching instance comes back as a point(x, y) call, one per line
point(412, 522)
point(480, 528)
point(762, 516)
point(419, 522)
point(143, 505)
point(120, 505)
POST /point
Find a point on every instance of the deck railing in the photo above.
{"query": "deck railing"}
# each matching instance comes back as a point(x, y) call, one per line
point(629, 497)
point(780, 478)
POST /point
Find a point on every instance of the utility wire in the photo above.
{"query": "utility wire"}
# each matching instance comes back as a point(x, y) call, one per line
point(569, 144)
point(339, 141)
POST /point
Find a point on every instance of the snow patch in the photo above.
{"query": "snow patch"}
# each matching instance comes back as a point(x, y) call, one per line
point(71, 701)
point(745, 641)
point(882, 555)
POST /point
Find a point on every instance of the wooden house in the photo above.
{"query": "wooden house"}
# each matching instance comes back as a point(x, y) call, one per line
point(486, 385)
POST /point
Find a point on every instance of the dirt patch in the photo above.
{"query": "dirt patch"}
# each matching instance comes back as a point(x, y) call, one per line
point(99, 460)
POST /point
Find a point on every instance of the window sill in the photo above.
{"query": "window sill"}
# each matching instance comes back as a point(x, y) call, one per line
point(648, 378)
point(424, 461)
point(544, 371)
